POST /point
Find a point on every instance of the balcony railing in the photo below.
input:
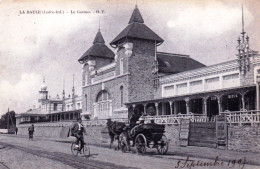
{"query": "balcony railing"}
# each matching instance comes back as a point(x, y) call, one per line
point(251, 117)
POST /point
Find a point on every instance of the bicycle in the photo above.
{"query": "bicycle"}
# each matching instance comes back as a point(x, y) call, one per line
point(76, 150)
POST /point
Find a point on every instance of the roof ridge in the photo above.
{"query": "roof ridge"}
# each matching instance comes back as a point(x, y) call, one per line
point(174, 54)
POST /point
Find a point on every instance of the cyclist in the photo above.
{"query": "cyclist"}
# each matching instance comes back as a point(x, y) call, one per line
point(77, 130)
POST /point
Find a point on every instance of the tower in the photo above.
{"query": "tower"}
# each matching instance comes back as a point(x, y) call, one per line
point(244, 51)
point(98, 55)
point(43, 94)
point(137, 45)
point(63, 96)
point(95, 57)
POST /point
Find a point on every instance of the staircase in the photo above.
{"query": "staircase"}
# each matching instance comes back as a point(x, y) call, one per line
point(202, 134)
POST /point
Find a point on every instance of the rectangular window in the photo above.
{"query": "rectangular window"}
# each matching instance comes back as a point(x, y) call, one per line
point(121, 66)
point(212, 80)
point(169, 87)
point(182, 85)
point(55, 106)
point(229, 77)
point(194, 83)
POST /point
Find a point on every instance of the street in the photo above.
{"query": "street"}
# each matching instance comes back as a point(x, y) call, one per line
point(18, 152)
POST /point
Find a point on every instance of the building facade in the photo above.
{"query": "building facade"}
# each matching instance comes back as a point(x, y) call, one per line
point(52, 109)
point(137, 76)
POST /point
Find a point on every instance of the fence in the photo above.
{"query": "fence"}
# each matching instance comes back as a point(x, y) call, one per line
point(251, 117)
point(176, 119)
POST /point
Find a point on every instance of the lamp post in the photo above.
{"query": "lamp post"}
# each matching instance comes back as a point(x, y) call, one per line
point(257, 92)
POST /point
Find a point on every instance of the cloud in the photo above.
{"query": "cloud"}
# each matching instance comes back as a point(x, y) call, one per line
point(24, 35)
point(21, 95)
point(209, 20)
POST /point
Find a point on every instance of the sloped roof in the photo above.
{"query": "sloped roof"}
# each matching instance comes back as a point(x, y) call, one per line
point(37, 111)
point(137, 29)
point(98, 49)
point(175, 63)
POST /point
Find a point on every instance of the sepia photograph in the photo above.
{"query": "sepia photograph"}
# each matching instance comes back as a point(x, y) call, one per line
point(129, 84)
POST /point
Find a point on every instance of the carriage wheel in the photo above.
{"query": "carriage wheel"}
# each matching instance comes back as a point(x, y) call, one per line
point(122, 143)
point(140, 143)
point(162, 146)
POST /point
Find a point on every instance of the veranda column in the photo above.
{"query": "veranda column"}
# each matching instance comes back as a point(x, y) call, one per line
point(243, 101)
point(187, 100)
point(220, 103)
point(163, 108)
point(205, 106)
point(175, 108)
point(170, 106)
point(156, 106)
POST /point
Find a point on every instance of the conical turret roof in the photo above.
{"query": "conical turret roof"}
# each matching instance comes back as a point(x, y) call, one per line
point(98, 49)
point(137, 29)
point(136, 16)
point(99, 38)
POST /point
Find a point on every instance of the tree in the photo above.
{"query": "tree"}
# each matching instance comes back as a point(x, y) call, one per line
point(7, 117)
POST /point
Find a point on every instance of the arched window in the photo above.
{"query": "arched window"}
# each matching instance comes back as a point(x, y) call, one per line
point(121, 96)
point(102, 107)
point(102, 96)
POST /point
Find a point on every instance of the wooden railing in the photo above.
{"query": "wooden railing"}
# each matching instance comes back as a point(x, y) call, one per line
point(98, 122)
point(176, 119)
point(251, 117)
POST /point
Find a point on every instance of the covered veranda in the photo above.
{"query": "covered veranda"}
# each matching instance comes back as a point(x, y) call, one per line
point(203, 104)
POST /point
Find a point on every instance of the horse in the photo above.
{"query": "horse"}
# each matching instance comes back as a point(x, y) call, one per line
point(115, 128)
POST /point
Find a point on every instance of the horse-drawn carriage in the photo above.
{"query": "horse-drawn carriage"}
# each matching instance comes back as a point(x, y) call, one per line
point(143, 136)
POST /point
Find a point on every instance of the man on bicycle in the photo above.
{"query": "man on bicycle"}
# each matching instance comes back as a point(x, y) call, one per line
point(77, 130)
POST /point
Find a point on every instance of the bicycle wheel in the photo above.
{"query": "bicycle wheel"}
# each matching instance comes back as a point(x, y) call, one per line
point(86, 150)
point(74, 149)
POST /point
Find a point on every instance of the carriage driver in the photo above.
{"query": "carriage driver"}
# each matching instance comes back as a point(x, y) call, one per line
point(133, 119)
point(77, 130)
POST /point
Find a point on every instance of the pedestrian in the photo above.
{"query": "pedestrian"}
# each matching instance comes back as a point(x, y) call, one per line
point(31, 130)
point(16, 130)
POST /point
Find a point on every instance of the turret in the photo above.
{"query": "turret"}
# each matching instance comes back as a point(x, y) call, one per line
point(136, 48)
point(43, 93)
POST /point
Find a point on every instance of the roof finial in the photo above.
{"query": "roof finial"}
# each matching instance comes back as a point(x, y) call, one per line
point(43, 79)
point(242, 18)
point(73, 80)
point(99, 23)
point(63, 83)
point(243, 30)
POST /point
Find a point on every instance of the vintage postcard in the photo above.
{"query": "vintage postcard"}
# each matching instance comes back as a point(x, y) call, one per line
point(147, 84)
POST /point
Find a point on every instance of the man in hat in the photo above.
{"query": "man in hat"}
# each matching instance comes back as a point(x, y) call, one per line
point(77, 130)
point(31, 130)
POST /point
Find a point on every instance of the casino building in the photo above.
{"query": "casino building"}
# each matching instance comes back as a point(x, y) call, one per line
point(52, 109)
point(137, 76)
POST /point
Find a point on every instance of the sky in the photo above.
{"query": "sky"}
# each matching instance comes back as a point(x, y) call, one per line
point(33, 46)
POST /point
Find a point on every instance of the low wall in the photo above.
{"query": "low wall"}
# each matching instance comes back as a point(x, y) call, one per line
point(172, 132)
point(244, 138)
point(97, 133)
point(43, 131)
